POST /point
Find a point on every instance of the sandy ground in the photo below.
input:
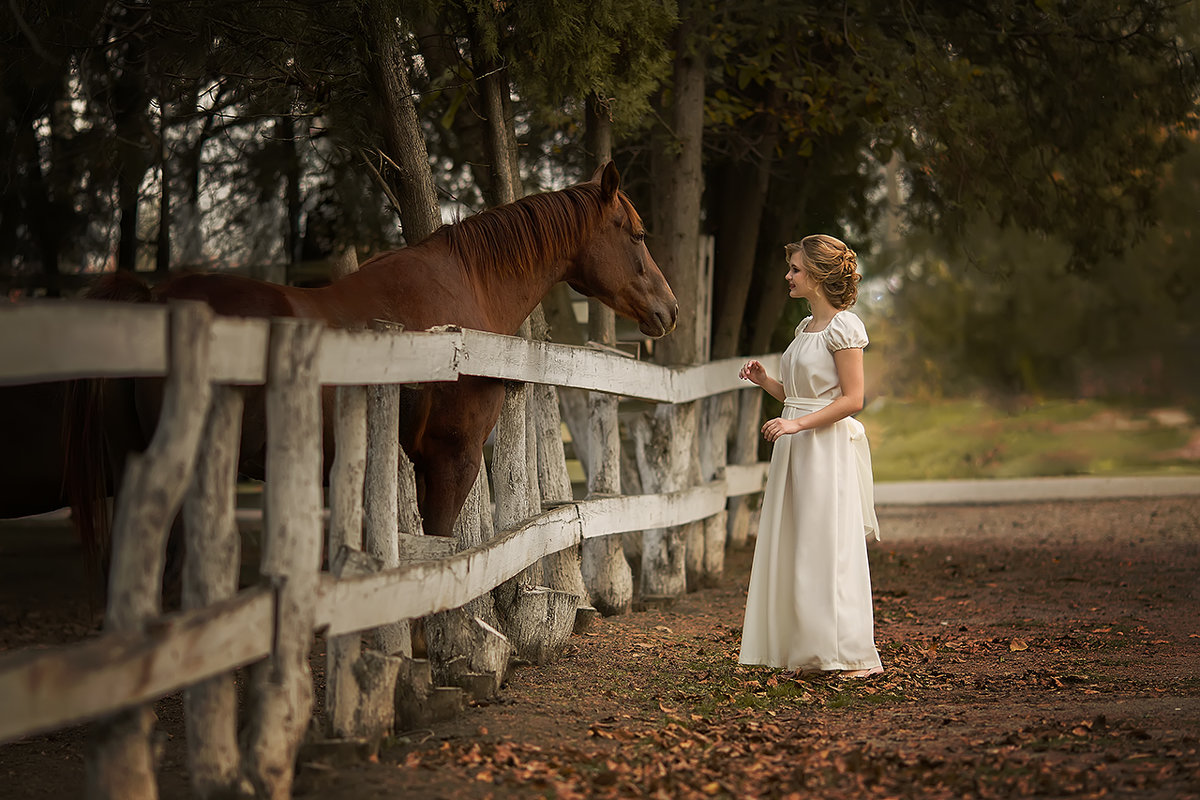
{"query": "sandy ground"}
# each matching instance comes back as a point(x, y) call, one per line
point(1047, 649)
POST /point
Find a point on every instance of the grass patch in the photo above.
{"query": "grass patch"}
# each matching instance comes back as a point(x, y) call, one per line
point(706, 691)
point(970, 438)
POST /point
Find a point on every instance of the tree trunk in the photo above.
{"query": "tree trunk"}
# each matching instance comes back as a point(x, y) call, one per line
point(285, 128)
point(771, 296)
point(492, 80)
point(666, 434)
point(463, 127)
point(678, 168)
point(133, 157)
point(162, 255)
point(190, 252)
point(410, 178)
point(606, 572)
point(740, 213)
point(49, 240)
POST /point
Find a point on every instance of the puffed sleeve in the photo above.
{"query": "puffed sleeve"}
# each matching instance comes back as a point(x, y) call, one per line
point(845, 331)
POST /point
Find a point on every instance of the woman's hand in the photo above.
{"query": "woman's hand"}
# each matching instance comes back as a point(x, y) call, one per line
point(754, 372)
point(780, 427)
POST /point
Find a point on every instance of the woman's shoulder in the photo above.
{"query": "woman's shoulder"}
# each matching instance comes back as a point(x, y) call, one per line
point(803, 324)
point(846, 330)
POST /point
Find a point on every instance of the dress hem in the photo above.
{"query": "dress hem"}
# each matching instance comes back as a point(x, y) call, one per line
point(828, 666)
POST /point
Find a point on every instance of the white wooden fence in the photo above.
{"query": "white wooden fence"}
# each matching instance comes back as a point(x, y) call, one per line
point(144, 655)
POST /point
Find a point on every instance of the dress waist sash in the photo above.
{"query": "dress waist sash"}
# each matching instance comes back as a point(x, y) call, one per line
point(862, 457)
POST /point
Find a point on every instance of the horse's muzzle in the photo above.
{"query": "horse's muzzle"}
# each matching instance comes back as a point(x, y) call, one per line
point(661, 322)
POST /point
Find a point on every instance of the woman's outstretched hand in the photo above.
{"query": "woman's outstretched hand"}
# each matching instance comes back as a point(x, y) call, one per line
point(774, 428)
point(754, 372)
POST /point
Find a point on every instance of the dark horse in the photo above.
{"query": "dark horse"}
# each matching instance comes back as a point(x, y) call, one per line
point(486, 272)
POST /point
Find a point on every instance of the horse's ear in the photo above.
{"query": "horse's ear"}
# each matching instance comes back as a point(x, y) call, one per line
point(609, 180)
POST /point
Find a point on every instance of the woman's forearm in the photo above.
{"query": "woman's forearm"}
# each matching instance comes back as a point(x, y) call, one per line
point(774, 388)
point(836, 411)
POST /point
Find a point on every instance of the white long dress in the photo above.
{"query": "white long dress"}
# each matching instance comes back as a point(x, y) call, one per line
point(809, 604)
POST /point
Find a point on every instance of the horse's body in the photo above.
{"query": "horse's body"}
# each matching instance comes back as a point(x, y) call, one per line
point(486, 272)
point(33, 445)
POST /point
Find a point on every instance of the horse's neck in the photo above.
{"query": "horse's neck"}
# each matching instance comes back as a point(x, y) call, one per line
point(424, 289)
point(509, 300)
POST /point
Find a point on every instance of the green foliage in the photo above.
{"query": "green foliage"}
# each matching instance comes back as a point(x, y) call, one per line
point(1025, 134)
point(1048, 118)
point(1003, 310)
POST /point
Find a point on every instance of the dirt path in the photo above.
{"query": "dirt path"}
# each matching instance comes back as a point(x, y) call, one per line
point(1031, 649)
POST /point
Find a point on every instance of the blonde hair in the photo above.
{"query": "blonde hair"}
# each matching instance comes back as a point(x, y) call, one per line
point(831, 264)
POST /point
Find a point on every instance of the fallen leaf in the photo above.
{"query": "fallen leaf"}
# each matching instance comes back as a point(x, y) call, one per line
point(1016, 645)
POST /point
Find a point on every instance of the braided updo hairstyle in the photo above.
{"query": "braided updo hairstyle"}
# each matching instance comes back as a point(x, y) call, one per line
point(832, 264)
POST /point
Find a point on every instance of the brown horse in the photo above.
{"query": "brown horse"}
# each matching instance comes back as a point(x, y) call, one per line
point(486, 272)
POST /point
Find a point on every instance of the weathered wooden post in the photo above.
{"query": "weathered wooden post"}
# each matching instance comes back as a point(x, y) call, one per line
point(210, 574)
point(561, 570)
point(121, 764)
point(343, 698)
point(745, 451)
point(606, 573)
point(536, 618)
point(466, 647)
point(665, 446)
point(382, 497)
point(279, 688)
point(706, 557)
point(359, 685)
point(514, 498)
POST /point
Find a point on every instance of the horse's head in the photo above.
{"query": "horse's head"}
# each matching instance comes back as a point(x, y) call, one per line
point(615, 267)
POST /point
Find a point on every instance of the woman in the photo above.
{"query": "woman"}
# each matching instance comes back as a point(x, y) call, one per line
point(809, 605)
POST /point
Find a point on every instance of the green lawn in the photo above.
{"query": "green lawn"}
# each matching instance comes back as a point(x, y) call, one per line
point(973, 439)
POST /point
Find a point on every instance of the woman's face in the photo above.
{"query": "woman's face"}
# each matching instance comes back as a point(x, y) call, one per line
point(798, 280)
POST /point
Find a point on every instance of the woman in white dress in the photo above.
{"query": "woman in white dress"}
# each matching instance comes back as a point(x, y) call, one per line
point(809, 604)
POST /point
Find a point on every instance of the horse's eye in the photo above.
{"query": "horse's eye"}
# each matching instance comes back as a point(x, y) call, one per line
point(639, 237)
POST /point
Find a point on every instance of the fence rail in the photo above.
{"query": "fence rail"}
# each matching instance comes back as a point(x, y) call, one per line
point(48, 689)
point(96, 340)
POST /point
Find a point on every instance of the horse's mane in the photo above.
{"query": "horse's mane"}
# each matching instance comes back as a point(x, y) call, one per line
point(512, 239)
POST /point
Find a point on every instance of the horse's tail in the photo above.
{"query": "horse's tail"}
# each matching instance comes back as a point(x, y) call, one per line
point(100, 426)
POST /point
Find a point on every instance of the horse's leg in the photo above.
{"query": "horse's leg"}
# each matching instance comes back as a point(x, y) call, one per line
point(450, 447)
